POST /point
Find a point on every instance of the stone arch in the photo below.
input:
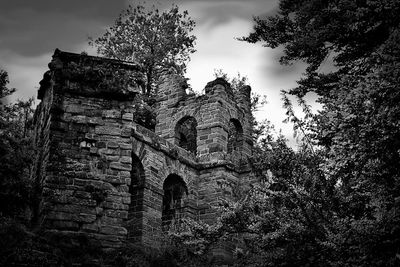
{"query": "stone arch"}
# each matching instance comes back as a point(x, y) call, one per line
point(235, 136)
point(136, 190)
point(174, 193)
point(186, 133)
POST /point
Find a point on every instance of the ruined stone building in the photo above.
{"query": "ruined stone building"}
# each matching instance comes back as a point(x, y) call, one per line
point(110, 179)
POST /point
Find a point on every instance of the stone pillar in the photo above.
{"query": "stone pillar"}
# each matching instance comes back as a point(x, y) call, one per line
point(212, 133)
point(172, 90)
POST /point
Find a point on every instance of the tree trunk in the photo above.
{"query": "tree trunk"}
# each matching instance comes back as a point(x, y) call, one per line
point(149, 76)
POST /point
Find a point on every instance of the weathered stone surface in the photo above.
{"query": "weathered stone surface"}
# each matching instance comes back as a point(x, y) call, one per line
point(113, 230)
point(107, 130)
point(106, 177)
point(127, 116)
point(126, 159)
point(120, 166)
point(114, 114)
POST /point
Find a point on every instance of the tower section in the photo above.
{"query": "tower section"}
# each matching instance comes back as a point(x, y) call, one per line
point(214, 127)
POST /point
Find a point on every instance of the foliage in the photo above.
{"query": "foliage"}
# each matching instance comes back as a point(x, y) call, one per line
point(4, 90)
point(281, 221)
point(335, 201)
point(156, 40)
point(16, 153)
point(21, 247)
point(311, 30)
point(102, 78)
point(143, 113)
point(170, 253)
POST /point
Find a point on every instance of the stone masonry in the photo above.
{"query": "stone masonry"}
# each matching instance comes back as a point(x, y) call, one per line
point(107, 179)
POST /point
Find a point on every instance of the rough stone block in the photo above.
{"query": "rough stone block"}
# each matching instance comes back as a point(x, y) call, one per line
point(112, 144)
point(127, 116)
point(120, 166)
point(126, 132)
point(113, 114)
point(116, 214)
point(86, 218)
point(107, 130)
point(79, 119)
point(73, 108)
point(125, 159)
point(113, 230)
point(91, 228)
point(95, 121)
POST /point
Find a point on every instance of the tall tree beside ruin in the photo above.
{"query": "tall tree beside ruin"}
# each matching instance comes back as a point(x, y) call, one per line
point(16, 152)
point(358, 125)
point(152, 38)
point(336, 201)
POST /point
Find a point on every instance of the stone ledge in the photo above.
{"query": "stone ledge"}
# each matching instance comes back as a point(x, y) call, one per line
point(160, 144)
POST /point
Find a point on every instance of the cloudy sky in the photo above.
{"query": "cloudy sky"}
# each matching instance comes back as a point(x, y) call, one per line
point(31, 30)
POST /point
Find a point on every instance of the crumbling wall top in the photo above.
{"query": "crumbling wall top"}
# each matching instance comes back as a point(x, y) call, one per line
point(93, 76)
point(219, 85)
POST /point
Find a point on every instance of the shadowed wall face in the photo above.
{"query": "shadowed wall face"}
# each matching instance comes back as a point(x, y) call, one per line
point(109, 179)
point(186, 134)
point(235, 136)
point(175, 191)
point(133, 223)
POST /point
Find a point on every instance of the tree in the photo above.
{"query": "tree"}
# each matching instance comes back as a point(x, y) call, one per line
point(156, 40)
point(4, 90)
point(336, 201)
point(357, 128)
point(282, 220)
point(16, 152)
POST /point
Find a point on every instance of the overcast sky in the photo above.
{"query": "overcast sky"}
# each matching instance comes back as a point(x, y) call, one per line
point(31, 30)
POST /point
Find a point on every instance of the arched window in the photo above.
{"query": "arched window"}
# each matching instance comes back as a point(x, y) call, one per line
point(174, 192)
point(186, 134)
point(136, 188)
point(235, 136)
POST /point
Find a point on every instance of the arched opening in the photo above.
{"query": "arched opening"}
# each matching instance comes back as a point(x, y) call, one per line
point(175, 191)
point(235, 136)
point(186, 134)
point(135, 212)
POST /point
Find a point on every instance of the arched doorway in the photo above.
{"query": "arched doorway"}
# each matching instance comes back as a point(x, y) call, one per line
point(175, 191)
point(136, 190)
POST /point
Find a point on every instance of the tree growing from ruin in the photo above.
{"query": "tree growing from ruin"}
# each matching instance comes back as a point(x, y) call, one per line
point(152, 38)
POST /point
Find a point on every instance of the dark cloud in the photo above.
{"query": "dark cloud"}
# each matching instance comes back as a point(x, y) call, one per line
point(223, 11)
point(31, 28)
point(102, 8)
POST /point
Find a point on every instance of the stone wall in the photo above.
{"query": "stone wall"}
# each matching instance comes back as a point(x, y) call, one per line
point(107, 179)
point(212, 111)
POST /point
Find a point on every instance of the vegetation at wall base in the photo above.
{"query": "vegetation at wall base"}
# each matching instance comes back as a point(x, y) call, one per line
point(336, 200)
